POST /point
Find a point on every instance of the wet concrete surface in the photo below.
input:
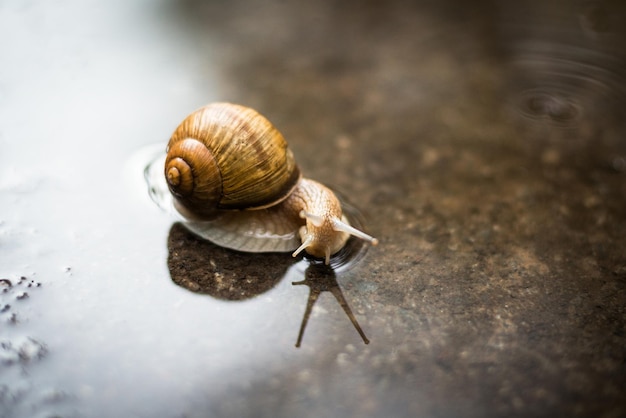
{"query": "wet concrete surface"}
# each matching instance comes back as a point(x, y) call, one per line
point(484, 146)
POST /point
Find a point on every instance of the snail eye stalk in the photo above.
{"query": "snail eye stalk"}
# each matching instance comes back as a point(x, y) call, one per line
point(339, 225)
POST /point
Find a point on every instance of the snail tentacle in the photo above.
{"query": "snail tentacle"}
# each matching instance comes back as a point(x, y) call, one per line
point(315, 220)
point(305, 243)
point(339, 225)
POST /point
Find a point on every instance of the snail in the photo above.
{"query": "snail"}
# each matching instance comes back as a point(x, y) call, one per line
point(232, 176)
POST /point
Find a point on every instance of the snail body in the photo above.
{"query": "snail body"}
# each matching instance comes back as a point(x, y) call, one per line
point(232, 175)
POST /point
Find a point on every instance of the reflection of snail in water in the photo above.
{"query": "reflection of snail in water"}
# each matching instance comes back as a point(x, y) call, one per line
point(320, 279)
point(202, 267)
point(233, 176)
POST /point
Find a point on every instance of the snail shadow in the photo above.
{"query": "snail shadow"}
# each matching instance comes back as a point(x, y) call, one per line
point(205, 268)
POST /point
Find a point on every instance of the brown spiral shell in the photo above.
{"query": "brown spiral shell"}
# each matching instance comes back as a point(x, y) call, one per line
point(225, 156)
